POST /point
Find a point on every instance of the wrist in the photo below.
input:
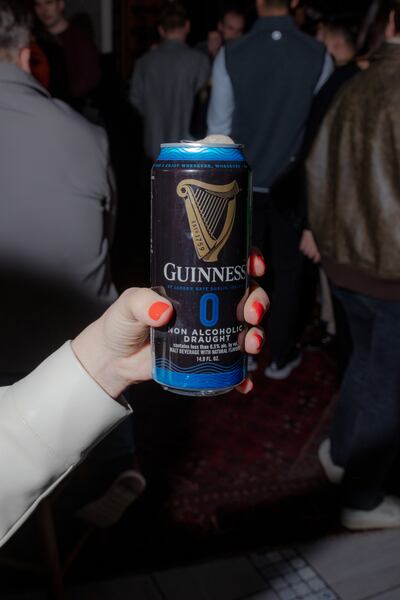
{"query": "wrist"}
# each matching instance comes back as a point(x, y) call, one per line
point(98, 361)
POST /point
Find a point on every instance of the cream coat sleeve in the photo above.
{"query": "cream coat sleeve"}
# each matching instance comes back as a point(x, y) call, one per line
point(48, 422)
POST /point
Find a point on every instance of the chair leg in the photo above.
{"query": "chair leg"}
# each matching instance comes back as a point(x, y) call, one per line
point(50, 547)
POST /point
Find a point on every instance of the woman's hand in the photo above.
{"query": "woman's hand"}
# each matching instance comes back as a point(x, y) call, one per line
point(115, 349)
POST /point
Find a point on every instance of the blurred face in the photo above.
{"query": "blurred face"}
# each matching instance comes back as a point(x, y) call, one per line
point(49, 12)
point(231, 27)
point(336, 44)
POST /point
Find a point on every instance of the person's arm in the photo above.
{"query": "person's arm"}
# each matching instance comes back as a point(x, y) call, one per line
point(48, 421)
point(51, 418)
point(221, 107)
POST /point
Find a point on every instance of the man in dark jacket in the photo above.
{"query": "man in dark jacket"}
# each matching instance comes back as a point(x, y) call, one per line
point(354, 212)
point(262, 89)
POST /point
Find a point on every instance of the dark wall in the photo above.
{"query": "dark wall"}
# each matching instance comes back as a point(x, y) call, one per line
point(340, 7)
point(204, 15)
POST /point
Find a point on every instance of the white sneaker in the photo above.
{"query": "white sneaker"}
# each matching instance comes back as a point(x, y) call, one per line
point(385, 516)
point(333, 472)
point(252, 364)
point(109, 508)
point(275, 372)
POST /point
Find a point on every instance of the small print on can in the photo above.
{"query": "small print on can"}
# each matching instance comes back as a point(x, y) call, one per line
point(199, 250)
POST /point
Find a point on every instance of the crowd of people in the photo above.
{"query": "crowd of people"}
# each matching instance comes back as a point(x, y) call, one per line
point(316, 110)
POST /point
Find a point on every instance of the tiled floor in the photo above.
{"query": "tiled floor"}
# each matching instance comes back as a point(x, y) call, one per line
point(342, 567)
point(359, 566)
point(290, 576)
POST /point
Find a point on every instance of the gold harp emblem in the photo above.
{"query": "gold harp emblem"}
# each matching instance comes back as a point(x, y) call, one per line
point(211, 213)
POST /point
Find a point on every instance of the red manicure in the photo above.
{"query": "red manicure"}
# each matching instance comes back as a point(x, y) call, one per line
point(259, 339)
point(157, 310)
point(246, 387)
point(259, 309)
point(262, 261)
point(253, 261)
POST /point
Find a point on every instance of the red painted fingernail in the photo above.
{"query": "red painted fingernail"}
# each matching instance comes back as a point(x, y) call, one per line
point(259, 309)
point(247, 386)
point(262, 261)
point(157, 310)
point(260, 341)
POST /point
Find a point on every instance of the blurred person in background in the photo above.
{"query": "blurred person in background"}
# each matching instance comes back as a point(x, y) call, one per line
point(230, 27)
point(166, 80)
point(263, 85)
point(340, 40)
point(354, 213)
point(330, 328)
point(352, 41)
point(72, 54)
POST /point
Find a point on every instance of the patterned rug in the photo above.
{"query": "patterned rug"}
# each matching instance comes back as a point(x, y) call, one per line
point(235, 453)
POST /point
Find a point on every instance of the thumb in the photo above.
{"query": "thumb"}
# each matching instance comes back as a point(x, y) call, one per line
point(145, 306)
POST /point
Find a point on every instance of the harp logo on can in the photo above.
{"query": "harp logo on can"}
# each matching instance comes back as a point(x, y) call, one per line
point(211, 211)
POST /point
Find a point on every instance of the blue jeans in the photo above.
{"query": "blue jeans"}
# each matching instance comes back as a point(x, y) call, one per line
point(365, 434)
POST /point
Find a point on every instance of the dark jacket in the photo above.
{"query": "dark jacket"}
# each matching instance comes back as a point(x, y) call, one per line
point(354, 184)
point(274, 71)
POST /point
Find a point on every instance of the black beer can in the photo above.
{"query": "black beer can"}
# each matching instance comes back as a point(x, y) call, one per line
point(201, 197)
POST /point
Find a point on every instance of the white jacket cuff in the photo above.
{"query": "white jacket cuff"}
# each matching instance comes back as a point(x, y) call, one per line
point(48, 421)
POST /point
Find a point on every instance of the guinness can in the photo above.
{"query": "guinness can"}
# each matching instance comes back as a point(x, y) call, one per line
point(199, 250)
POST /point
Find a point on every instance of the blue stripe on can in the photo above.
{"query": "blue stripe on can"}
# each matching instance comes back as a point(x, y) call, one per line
point(195, 152)
point(196, 381)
